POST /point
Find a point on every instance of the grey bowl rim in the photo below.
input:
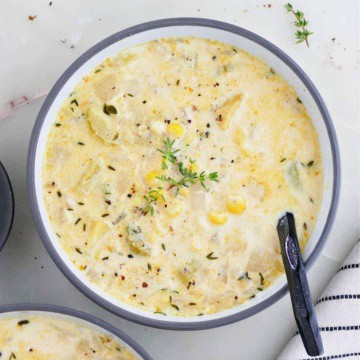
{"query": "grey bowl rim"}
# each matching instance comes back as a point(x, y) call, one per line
point(171, 22)
point(57, 309)
point(9, 207)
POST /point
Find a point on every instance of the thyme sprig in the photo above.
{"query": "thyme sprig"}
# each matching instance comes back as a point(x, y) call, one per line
point(303, 33)
point(151, 199)
point(168, 153)
point(189, 177)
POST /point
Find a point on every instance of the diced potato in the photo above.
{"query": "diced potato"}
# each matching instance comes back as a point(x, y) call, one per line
point(218, 218)
point(174, 210)
point(175, 129)
point(98, 231)
point(226, 111)
point(236, 205)
point(137, 241)
point(239, 136)
point(102, 125)
point(157, 127)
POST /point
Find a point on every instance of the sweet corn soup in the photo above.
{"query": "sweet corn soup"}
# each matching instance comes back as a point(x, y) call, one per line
point(52, 338)
point(167, 169)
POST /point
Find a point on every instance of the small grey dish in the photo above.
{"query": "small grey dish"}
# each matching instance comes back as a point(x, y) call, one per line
point(7, 206)
point(77, 317)
point(202, 28)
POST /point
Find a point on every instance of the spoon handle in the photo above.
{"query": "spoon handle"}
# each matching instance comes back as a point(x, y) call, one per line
point(298, 286)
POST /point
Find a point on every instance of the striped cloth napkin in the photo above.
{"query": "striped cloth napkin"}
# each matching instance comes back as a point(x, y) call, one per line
point(338, 314)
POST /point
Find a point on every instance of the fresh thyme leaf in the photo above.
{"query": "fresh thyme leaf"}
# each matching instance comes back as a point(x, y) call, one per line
point(151, 199)
point(303, 33)
point(168, 153)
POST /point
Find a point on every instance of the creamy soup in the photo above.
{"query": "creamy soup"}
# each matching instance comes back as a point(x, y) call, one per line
point(167, 169)
point(38, 337)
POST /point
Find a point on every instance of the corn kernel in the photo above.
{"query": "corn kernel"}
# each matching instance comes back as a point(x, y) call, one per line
point(175, 129)
point(236, 206)
point(151, 175)
point(193, 167)
point(184, 191)
point(218, 218)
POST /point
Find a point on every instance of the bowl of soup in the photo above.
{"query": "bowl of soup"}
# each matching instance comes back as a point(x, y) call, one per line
point(44, 332)
point(161, 162)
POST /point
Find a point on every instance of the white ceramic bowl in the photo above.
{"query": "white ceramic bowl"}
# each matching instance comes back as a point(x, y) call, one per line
point(77, 317)
point(204, 29)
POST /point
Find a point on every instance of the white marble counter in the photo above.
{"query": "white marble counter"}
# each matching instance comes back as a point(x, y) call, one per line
point(33, 53)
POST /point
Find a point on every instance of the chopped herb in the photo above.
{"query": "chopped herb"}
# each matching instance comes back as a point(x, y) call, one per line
point(57, 124)
point(23, 322)
point(168, 153)
point(80, 143)
point(163, 246)
point(151, 198)
point(311, 199)
point(81, 203)
point(97, 70)
point(244, 276)
point(252, 296)
point(12, 356)
point(305, 226)
point(149, 266)
point(299, 100)
point(105, 258)
point(211, 257)
point(261, 278)
point(159, 312)
point(175, 307)
point(84, 227)
point(111, 168)
point(105, 215)
point(303, 33)
point(131, 95)
point(310, 163)
point(59, 194)
point(77, 221)
point(78, 251)
point(192, 304)
point(260, 289)
point(283, 159)
point(109, 109)
point(74, 102)
point(272, 71)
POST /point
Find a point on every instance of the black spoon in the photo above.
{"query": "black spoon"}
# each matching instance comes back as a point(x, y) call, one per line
point(6, 206)
point(298, 286)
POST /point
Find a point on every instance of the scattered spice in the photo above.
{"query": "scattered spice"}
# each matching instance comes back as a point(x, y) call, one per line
point(32, 17)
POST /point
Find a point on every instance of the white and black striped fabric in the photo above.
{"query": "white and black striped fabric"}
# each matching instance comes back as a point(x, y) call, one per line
point(338, 314)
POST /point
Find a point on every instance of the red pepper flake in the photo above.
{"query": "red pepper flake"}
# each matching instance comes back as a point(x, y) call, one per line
point(32, 17)
point(122, 277)
point(144, 285)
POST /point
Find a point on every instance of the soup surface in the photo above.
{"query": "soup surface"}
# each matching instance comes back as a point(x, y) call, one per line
point(39, 337)
point(167, 169)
